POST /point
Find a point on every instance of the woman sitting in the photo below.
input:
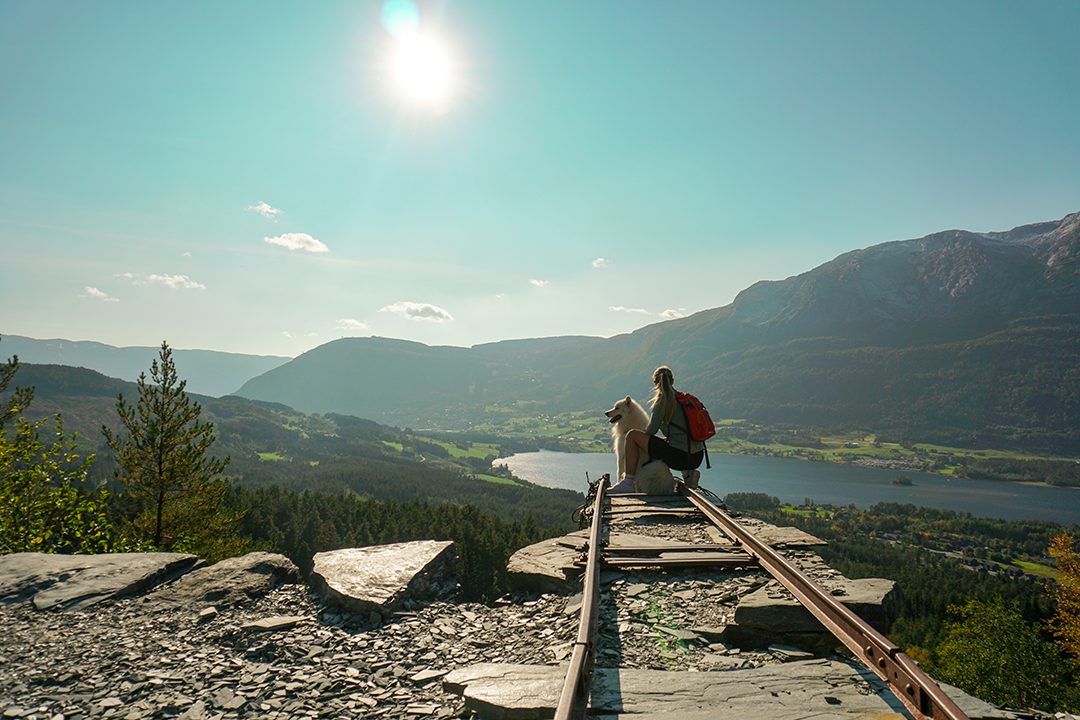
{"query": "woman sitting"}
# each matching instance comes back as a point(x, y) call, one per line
point(676, 449)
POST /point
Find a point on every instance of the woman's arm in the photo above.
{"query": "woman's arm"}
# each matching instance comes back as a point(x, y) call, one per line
point(654, 421)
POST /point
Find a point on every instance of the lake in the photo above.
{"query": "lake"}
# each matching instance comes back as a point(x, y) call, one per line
point(794, 480)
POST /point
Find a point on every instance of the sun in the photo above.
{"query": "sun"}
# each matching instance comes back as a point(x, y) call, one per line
point(421, 68)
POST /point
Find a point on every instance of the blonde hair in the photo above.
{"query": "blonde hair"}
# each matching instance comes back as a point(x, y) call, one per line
point(664, 392)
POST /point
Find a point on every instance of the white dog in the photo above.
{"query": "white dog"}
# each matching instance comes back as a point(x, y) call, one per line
point(653, 478)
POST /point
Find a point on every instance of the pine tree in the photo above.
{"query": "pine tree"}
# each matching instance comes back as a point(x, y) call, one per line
point(165, 460)
point(20, 399)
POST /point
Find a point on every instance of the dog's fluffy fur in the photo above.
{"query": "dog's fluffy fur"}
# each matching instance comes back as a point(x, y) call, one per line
point(652, 478)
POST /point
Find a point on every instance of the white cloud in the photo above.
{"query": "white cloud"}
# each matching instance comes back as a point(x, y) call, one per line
point(350, 324)
point(672, 314)
point(500, 296)
point(418, 311)
point(187, 254)
point(620, 308)
point(95, 293)
point(538, 283)
point(265, 210)
point(176, 282)
point(288, 334)
point(297, 241)
point(600, 262)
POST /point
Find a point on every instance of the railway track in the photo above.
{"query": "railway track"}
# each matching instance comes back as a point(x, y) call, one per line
point(917, 691)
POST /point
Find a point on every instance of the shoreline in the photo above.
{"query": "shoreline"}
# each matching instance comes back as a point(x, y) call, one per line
point(871, 463)
point(899, 468)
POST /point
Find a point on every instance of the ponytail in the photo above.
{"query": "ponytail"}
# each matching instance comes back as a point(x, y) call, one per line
point(664, 393)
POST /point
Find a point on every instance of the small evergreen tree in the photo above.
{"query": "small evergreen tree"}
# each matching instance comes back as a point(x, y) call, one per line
point(20, 399)
point(165, 460)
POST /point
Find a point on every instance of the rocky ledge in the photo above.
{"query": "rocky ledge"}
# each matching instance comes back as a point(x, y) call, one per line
point(256, 645)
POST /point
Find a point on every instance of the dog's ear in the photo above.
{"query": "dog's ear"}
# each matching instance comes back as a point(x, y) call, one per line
point(627, 398)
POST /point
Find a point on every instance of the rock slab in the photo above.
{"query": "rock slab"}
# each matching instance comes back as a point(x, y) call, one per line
point(821, 689)
point(382, 578)
point(767, 610)
point(769, 614)
point(76, 582)
point(548, 566)
point(226, 583)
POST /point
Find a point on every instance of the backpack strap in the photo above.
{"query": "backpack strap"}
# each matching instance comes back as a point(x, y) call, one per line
point(689, 439)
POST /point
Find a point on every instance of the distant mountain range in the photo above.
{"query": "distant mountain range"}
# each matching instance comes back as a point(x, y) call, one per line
point(207, 372)
point(960, 336)
point(965, 338)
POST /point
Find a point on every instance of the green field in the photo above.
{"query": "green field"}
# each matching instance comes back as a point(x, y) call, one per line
point(580, 431)
point(494, 479)
point(1037, 569)
point(473, 450)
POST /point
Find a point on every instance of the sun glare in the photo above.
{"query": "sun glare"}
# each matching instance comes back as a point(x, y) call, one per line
point(421, 68)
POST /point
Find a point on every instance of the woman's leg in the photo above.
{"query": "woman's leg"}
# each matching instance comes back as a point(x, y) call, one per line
point(637, 442)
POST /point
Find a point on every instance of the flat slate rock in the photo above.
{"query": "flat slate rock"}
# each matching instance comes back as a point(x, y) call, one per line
point(817, 688)
point(776, 613)
point(381, 578)
point(820, 689)
point(274, 623)
point(232, 581)
point(76, 582)
point(548, 566)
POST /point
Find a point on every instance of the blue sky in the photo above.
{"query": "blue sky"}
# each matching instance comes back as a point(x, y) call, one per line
point(255, 177)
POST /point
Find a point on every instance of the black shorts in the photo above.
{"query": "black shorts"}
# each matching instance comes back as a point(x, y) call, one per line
point(674, 458)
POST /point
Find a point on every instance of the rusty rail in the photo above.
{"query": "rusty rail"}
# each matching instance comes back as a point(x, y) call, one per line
point(914, 688)
point(574, 700)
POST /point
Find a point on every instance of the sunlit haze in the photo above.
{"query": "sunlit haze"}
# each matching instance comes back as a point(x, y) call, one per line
point(267, 178)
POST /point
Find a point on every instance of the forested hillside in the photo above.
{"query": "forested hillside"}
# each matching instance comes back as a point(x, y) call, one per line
point(297, 484)
point(272, 445)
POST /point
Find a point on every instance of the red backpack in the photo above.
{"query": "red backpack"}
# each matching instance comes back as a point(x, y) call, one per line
point(701, 425)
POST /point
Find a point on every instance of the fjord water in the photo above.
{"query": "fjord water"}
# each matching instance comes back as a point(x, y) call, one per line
point(840, 484)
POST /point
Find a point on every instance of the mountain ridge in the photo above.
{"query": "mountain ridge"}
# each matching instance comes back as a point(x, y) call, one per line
point(208, 372)
point(971, 301)
point(945, 290)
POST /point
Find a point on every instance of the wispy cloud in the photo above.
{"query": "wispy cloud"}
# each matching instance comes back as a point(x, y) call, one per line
point(297, 241)
point(293, 336)
point(350, 324)
point(176, 282)
point(93, 292)
point(418, 311)
point(600, 262)
point(265, 210)
point(620, 308)
point(672, 314)
point(538, 283)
